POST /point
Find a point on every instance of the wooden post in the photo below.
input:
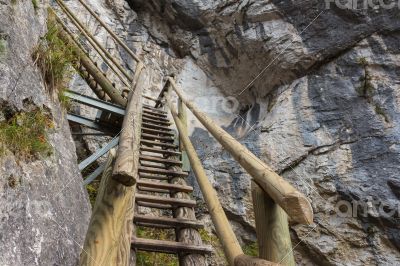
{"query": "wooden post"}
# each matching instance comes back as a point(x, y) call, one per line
point(290, 199)
point(272, 228)
point(244, 260)
point(97, 75)
point(108, 239)
point(182, 114)
point(127, 163)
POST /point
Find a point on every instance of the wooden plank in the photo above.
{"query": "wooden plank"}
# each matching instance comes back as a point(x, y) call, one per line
point(127, 161)
point(171, 172)
point(156, 114)
point(154, 109)
point(154, 131)
point(157, 143)
point(108, 236)
point(166, 186)
point(168, 246)
point(159, 160)
point(151, 126)
point(156, 137)
point(272, 229)
point(164, 200)
point(154, 150)
point(146, 115)
point(154, 205)
point(157, 122)
point(156, 177)
point(159, 166)
point(282, 192)
point(169, 222)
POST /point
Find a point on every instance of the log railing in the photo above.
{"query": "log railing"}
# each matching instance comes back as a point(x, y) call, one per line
point(274, 199)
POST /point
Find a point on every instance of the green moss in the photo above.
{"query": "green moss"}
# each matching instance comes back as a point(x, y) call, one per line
point(35, 4)
point(152, 258)
point(3, 48)
point(64, 100)
point(366, 89)
point(25, 134)
point(211, 239)
point(92, 191)
point(251, 249)
point(54, 58)
point(381, 112)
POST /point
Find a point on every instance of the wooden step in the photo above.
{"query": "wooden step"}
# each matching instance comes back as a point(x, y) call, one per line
point(146, 111)
point(151, 126)
point(168, 246)
point(156, 137)
point(145, 106)
point(160, 132)
point(165, 186)
point(146, 115)
point(164, 200)
point(155, 150)
point(157, 143)
point(156, 177)
point(154, 205)
point(157, 122)
point(159, 160)
point(162, 171)
point(159, 166)
point(165, 222)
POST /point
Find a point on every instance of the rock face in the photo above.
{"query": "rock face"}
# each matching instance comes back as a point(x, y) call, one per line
point(44, 209)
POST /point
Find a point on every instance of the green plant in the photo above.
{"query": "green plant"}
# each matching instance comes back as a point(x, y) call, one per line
point(25, 134)
point(54, 58)
point(366, 89)
point(92, 191)
point(3, 47)
point(64, 100)
point(211, 239)
point(251, 249)
point(35, 4)
point(381, 112)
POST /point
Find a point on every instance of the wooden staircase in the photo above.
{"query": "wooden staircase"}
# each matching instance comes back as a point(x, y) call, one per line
point(161, 187)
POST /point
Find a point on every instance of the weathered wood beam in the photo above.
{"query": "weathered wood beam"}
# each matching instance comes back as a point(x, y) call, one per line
point(127, 162)
point(272, 228)
point(290, 199)
point(244, 260)
point(108, 237)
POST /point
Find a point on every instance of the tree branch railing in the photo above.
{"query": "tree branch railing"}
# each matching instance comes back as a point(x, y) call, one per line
point(273, 197)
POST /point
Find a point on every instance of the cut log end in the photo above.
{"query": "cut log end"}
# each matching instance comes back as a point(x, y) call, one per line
point(299, 207)
point(126, 179)
point(244, 260)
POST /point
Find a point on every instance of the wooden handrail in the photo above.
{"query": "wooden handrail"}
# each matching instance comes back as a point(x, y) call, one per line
point(290, 199)
point(227, 237)
point(118, 40)
point(92, 40)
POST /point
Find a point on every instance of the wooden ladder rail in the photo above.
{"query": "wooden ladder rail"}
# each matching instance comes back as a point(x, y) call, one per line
point(271, 219)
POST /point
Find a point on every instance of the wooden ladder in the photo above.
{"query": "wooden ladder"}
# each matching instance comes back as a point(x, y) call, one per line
point(161, 186)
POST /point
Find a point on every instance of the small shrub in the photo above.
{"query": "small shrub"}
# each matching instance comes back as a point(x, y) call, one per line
point(251, 249)
point(35, 4)
point(25, 134)
point(211, 239)
point(92, 191)
point(381, 112)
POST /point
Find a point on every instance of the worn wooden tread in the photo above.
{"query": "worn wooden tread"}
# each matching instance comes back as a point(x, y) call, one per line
point(164, 200)
point(160, 132)
point(146, 111)
point(162, 119)
point(153, 121)
point(162, 171)
point(151, 126)
point(157, 143)
point(159, 166)
point(157, 137)
point(168, 246)
point(154, 205)
point(164, 222)
point(165, 186)
point(155, 150)
point(159, 160)
point(145, 106)
point(156, 177)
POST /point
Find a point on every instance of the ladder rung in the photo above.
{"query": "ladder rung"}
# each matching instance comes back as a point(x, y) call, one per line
point(169, 222)
point(168, 246)
point(146, 115)
point(156, 177)
point(153, 205)
point(148, 120)
point(164, 200)
point(153, 137)
point(155, 131)
point(152, 165)
point(162, 128)
point(165, 186)
point(145, 111)
point(156, 143)
point(153, 109)
point(154, 150)
point(159, 160)
point(162, 171)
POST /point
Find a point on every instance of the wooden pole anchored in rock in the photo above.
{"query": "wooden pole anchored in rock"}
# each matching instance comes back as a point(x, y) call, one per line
point(127, 162)
point(290, 199)
point(272, 228)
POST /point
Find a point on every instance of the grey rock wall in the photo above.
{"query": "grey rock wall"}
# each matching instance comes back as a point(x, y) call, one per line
point(44, 209)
